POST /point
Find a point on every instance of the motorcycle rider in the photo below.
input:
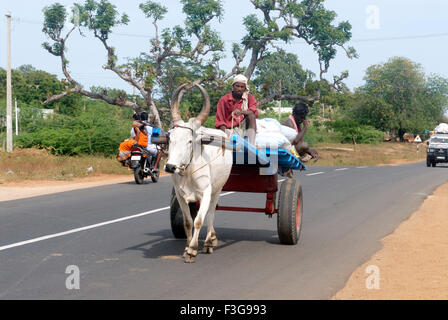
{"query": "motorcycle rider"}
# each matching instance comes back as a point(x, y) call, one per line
point(138, 136)
point(152, 148)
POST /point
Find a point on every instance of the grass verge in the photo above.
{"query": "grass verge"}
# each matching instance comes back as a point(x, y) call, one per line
point(34, 164)
point(386, 153)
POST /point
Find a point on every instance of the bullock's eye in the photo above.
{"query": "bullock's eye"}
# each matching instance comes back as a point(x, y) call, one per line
point(190, 141)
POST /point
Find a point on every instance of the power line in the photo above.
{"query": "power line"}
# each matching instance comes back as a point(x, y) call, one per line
point(425, 36)
point(409, 37)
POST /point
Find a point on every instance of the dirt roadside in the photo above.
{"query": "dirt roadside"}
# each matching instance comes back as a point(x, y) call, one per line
point(26, 189)
point(411, 265)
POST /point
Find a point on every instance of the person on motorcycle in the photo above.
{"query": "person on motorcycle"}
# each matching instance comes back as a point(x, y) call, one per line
point(138, 136)
point(152, 148)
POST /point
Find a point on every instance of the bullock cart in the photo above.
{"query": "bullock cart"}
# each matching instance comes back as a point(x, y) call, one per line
point(257, 171)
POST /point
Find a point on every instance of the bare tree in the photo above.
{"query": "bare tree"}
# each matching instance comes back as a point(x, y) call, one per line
point(288, 20)
point(194, 41)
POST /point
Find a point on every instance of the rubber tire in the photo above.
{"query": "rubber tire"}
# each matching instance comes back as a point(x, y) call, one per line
point(433, 163)
point(176, 217)
point(138, 175)
point(428, 162)
point(290, 196)
point(156, 177)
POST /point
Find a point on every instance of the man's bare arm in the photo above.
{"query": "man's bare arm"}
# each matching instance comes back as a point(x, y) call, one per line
point(301, 134)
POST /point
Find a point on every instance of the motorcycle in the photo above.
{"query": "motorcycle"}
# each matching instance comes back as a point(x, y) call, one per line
point(143, 164)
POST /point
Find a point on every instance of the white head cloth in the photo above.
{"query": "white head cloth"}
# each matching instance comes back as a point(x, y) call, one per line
point(241, 78)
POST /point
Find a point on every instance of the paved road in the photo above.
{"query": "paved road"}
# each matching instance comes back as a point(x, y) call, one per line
point(120, 239)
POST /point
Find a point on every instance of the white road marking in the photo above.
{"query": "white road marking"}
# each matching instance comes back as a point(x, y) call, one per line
point(314, 174)
point(361, 167)
point(105, 223)
point(341, 169)
point(50, 236)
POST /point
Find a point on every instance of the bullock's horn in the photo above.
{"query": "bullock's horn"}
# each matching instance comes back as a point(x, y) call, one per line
point(205, 111)
point(175, 113)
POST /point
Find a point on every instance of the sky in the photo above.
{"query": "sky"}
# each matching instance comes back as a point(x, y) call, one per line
point(381, 29)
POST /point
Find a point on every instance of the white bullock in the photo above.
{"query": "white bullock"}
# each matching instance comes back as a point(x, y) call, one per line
point(199, 172)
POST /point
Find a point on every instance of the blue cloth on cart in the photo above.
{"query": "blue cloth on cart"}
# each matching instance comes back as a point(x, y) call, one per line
point(156, 132)
point(245, 153)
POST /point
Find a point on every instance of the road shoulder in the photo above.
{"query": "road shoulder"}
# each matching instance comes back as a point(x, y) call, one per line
point(413, 261)
point(27, 189)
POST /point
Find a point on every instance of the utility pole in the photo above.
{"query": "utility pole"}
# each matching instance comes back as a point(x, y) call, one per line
point(8, 91)
point(17, 117)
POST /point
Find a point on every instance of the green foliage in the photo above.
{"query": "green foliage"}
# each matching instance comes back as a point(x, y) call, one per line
point(201, 12)
point(176, 71)
point(352, 132)
point(405, 99)
point(101, 17)
point(210, 122)
point(373, 111)
point(306, 19)
point(153, 10)
point(317, 133)
point(280, 72)
point(54, 20)
point(95, 131)
point(31, 88)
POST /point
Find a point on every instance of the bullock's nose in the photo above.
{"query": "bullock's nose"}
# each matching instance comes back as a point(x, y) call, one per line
point(170, 168)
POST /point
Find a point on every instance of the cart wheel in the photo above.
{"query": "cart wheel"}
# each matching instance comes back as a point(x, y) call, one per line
point(176, 217)
point(290, 212)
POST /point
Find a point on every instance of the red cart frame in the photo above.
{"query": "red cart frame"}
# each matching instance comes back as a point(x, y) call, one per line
point(247, 178)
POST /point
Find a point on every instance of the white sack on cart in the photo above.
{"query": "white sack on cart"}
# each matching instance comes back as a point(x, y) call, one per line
point(270, 133)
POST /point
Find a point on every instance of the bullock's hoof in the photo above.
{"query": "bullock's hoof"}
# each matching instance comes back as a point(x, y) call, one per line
point(190, 255)
point(207, 249)
point(214, 242)
point(189, 258)
point(192, 252)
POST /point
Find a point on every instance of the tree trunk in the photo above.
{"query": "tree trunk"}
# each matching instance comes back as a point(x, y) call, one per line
point(153, 110)
point(401, 133)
